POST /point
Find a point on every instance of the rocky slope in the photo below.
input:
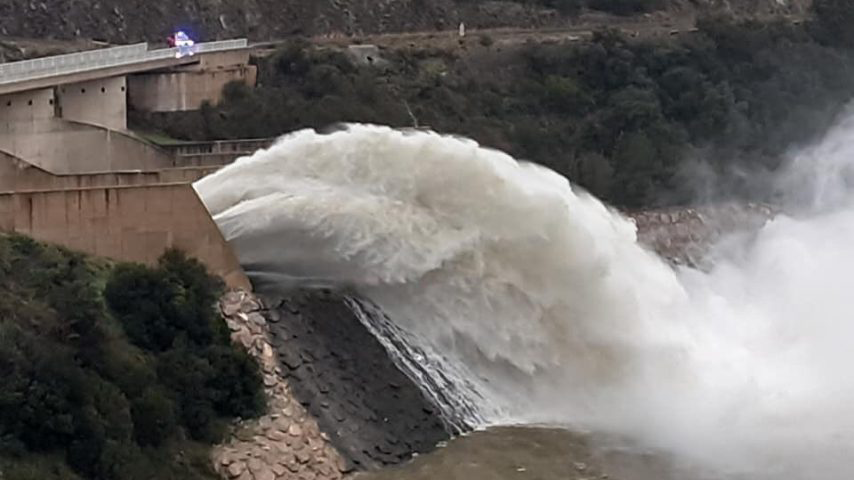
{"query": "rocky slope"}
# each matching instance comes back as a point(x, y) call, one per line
point(683, 236)
point(132, 20)
point(286, 443)
point(335, 401)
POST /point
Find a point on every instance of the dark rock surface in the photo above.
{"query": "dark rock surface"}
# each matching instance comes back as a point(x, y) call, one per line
point(373, 414)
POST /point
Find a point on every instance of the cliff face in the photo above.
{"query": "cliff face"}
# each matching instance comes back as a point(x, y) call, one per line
point(133, 20)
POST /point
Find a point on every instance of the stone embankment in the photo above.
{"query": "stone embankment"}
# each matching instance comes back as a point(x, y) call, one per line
point(286, 443)
point(683, 235)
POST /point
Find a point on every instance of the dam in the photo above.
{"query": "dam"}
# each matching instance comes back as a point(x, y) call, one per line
point(408, 287)
point(73, 174)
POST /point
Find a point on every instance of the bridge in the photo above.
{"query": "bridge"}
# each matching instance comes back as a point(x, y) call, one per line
point(63, 113)
point(72, 173)
point(78, 67)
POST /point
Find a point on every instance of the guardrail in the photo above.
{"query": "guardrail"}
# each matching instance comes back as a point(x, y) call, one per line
point(78, 58)
point(222, 45)
point(219, 147)
point(99, 59)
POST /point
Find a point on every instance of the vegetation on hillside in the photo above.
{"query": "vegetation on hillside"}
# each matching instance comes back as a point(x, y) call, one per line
point(625, 118)
point(113, 372)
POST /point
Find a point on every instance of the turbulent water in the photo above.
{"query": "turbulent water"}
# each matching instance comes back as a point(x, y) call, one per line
point(516, 298)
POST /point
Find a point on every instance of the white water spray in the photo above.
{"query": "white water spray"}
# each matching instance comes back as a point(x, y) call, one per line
point(536, 302)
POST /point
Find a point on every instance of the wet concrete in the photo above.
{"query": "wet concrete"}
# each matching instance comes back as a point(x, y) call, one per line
point(374, 415)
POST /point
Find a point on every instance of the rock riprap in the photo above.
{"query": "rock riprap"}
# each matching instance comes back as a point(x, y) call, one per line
point(286, 443)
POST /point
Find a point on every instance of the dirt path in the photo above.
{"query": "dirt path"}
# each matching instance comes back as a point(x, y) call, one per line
point(449, 39)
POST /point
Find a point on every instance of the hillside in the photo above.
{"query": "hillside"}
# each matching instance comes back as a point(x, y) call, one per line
point(124, 21)
point(638, 121)
point(113, 371)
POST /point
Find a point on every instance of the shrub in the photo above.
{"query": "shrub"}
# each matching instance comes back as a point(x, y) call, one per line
point(170, 311)
point(159, 306)
point(219, 381)
point(75, 391)
point(153, 418)
point(141, 297)
point(236, 387)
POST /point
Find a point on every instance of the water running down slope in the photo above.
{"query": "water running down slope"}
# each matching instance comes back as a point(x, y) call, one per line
point(533, 303)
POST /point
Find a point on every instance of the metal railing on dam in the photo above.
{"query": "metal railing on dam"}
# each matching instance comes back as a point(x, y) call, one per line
point(244, 146)
point(214, 153)
point(98, 59)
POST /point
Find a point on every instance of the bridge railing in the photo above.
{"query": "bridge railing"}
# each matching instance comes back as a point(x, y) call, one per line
point(47, 63)
point(223, 45)
point(100, 59)
point(219, 147)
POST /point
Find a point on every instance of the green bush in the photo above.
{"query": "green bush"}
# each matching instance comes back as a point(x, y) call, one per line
point(161, 306)
point(237, 386)
point(144, 300)
point(170, 311)
point(218, 381)
point(154, 418)
point(74, 388)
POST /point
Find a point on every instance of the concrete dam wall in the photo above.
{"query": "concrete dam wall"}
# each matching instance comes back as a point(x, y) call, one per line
point(135, 223)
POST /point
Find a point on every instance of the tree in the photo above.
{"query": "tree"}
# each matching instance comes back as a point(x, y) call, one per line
point(143, 299)
point(153, 418)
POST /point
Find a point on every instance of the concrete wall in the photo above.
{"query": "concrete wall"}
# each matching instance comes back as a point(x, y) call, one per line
point(66, 147)
point(30, 130)
point(17, 175)
point(185, 90)
point(222, 60)
point(26, 107)
point(100, 102)
point(222, 152)
point(207, 159)
point(124, 223)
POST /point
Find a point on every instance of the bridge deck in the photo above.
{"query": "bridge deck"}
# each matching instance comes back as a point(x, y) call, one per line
point(76, 67)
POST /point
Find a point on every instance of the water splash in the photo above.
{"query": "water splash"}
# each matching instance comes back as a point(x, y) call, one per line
point(514, 298)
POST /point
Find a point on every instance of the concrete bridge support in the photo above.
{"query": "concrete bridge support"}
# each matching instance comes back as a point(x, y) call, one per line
point(45, 128)
point(187, 88)
point(101, 102)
